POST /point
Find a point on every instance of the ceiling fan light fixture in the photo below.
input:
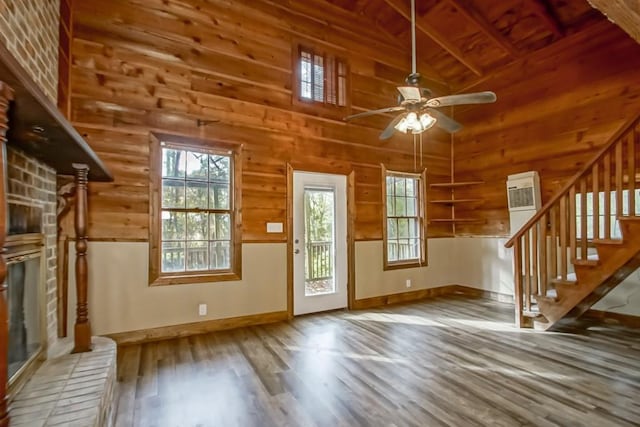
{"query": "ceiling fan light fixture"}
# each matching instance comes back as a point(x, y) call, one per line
point(411, 123)
point(427, 121)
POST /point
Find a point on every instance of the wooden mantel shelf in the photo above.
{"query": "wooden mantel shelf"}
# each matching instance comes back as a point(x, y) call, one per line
point(37, 127)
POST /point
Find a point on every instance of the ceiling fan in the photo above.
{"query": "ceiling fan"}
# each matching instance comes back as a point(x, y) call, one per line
point(419, 111)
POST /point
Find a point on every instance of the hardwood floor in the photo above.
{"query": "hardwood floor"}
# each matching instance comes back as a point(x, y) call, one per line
point(448, 361)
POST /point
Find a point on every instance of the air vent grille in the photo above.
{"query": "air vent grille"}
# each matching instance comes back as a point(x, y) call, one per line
point(521, 197)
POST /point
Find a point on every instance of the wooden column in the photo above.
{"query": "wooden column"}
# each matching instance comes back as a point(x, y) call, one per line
point(82, 331)
point(6, 95)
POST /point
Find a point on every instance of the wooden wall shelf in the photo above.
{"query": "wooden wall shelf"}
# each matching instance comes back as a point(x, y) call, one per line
point(452, 202)
point(37, 127)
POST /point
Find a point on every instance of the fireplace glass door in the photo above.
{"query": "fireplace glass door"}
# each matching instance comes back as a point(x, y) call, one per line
point(25, 334)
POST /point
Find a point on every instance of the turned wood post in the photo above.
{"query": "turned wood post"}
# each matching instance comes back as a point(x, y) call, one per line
point(6, 95)
point(82, 331)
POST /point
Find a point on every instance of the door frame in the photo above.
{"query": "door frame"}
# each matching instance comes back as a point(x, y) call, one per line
point(350, 234)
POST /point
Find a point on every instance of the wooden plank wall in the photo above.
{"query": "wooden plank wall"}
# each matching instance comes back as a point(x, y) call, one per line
point(555, 109)
point(151, 65)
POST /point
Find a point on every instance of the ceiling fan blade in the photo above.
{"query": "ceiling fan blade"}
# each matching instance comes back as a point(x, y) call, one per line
point(463, 98)
point(388, 131)
point(372, 112)
point(410, 93)
point(444, 122)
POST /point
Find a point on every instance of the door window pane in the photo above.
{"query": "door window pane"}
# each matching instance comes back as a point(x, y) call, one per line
point(319, 221)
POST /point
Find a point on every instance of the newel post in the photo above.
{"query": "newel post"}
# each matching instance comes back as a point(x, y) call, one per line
point(82, 330)
point(6, 95)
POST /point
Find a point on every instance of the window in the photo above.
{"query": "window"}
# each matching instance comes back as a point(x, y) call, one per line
point(322, 78)
point(195, 227)
point(404, 225)
point(614, 226)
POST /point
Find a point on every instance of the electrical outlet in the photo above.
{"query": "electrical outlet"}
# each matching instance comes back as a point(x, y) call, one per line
point(202, 309)
point(408, 283)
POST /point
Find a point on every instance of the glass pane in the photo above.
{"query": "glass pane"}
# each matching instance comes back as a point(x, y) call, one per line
point(173, 194)
point(305, 75)
point(411, 206)
point(24, 313)
point(411, 187)
point(219, 168)
point(392, 250)
point(401, 208)
point(413, 227)
point(172, 257)
point(404, 249)
point(589, 203)
point(197, 226)
point(220, 255)
point(403, 227)
point(318, 78)
point(197, 195)
point(197, 165)
point(173, 225)
point(390, 187)
point(414, 248)
point(391, 207)
point(173, 163)
point(197, 256)
point(392, 228)
point(400, 186)
point(319, 209)
point(219, 196)
point(220, 226)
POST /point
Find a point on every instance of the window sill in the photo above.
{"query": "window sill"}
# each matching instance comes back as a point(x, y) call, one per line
point(401, 265)
point(320, 109)
point(186, 279)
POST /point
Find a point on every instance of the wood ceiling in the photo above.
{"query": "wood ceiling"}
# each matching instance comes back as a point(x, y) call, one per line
point(460, 42)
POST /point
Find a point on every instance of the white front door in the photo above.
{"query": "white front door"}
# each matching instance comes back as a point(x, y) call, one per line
point(319, 242)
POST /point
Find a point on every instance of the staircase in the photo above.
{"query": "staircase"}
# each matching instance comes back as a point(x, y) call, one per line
point(584, 241)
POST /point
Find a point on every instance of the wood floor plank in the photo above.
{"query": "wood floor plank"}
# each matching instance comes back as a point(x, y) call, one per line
point(450, 361)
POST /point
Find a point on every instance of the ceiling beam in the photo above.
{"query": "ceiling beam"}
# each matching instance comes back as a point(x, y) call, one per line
point(466, 8)
point(435, 35)
point(623, 13)
point(545, 11)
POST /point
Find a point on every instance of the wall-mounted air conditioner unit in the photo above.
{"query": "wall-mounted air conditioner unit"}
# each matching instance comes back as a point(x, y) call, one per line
point(523, 195)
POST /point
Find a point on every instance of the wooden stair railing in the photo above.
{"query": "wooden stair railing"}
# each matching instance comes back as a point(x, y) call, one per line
point(558, 241)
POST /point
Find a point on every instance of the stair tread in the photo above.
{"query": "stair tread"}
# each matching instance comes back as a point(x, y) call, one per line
point(629, 218)
point(586, 262)
point(607, 241)
point(549, 297)
point(533, 313)
point(570, 280)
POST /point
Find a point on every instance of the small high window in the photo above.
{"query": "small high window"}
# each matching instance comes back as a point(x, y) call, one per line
point(322, 78)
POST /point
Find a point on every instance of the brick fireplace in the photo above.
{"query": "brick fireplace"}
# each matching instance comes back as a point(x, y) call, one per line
point(67, 388)
point(31, 261)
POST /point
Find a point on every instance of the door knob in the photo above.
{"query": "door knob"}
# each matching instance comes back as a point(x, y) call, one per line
point(297, 251)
